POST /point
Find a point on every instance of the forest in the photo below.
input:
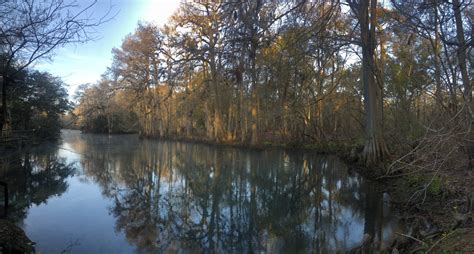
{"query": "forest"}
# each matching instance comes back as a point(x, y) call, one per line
point(386, 85)
point(325, 74)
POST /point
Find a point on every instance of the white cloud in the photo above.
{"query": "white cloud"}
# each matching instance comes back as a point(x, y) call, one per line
point(159, 11)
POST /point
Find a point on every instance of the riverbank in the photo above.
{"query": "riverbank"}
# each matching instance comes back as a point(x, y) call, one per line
point(435, 205)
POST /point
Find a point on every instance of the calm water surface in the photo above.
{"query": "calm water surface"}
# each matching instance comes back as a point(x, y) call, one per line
point(118, 194)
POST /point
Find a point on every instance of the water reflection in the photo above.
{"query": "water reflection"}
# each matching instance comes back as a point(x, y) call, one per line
point(113, 194)
point(171, 196)
point(33, 177)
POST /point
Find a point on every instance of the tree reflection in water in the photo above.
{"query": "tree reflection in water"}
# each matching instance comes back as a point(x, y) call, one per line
point(171, 196)
point(33, 176)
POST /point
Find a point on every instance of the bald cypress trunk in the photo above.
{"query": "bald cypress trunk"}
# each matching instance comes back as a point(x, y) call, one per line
point(374, 149)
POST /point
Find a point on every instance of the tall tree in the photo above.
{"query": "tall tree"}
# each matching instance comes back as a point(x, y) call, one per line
point(204, 18)
point(366, 13)
point(137, 65)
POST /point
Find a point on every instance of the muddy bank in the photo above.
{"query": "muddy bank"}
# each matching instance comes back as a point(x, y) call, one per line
point(436, 207)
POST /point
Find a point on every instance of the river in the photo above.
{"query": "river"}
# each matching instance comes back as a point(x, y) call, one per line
point(92, 193)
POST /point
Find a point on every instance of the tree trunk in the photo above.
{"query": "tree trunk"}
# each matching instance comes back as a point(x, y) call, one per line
point(243, 117)
point(4, 117)
point(286, 118)
point(254, 141)
point(461, 54)
point(189, 123)
point(254, 90)
point(229, 131)
point(209, 121)
point(436, 47)
point(375, 148)
point(217, 123)
point(3, 113)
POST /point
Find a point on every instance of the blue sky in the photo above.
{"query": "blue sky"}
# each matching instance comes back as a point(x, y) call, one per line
point(84, 63)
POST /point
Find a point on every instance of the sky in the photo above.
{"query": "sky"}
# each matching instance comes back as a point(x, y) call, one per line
point(84, 63)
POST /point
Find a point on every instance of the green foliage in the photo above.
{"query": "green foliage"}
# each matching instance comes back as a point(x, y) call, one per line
point(433, 184)
point(97, 124)
point(38, 101)
point(415, 180)
point(434, 188)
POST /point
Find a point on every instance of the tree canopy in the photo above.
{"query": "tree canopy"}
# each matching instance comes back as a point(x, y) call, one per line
point(300, 72)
